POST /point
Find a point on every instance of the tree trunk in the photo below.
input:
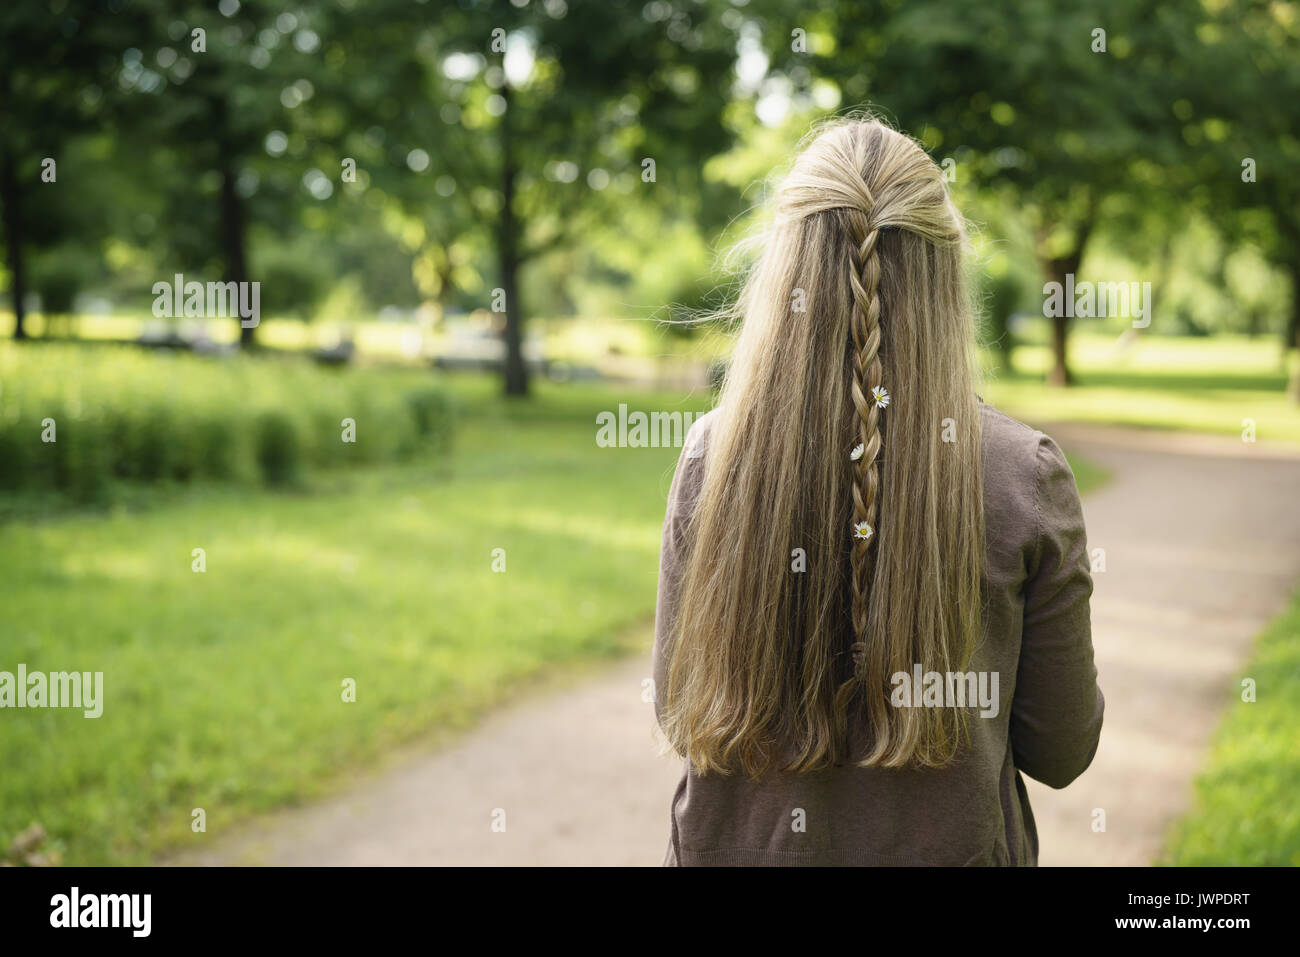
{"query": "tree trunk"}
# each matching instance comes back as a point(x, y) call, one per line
point(233, 243)
point(1293, 333)
point(1057, 269)
point(1166, 268)
point(11, 195)
point(516, 373)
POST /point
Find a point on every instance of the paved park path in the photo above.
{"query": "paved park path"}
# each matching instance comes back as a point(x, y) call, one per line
point(1202, 548)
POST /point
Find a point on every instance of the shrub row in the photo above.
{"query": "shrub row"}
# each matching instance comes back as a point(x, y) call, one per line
point(115, 413)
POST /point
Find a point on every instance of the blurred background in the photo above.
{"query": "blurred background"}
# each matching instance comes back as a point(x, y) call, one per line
point(477, 226)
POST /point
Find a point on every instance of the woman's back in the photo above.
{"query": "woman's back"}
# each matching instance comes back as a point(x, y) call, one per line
point(1034, 685)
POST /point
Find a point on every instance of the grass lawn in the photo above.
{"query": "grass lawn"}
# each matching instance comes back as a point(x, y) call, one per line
point(1201, 385)
point(1247, 809)
point(223, 689)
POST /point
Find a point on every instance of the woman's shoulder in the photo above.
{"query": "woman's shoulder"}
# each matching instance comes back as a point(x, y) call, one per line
point(1011, 443)
point(697, 438)
point(1025, 471)
point(1001, 429)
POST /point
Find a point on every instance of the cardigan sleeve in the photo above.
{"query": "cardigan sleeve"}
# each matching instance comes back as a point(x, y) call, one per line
point(1056, 714)
point(672, 552)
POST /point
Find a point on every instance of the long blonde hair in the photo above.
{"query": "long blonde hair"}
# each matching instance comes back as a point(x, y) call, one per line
point(860, 285)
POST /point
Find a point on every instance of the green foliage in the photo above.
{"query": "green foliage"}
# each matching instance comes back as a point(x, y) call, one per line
point(61, 273)
point(279, 448)
point(432, 411)
point(161, 148)
point(1116, 117)
point(124, 415)
point(296, 276)
point(1002, 294)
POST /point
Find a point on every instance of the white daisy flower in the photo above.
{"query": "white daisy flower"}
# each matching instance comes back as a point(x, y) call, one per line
point(881, 395)
point(857, 452)
point(863, 531)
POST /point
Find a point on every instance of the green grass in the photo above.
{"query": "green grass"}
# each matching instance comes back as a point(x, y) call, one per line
point(1247, 811)
point(223, 689)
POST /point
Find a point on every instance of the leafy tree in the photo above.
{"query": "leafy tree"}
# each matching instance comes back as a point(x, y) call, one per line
point(1024, 95)
point(557, 113)
point(221, 94)
point(53, 88)
point(1250, 187)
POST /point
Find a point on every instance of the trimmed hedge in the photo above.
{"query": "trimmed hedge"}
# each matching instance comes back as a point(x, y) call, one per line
point(120, 414)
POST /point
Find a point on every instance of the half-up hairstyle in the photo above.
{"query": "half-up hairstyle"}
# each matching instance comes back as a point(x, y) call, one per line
point(848, 428)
